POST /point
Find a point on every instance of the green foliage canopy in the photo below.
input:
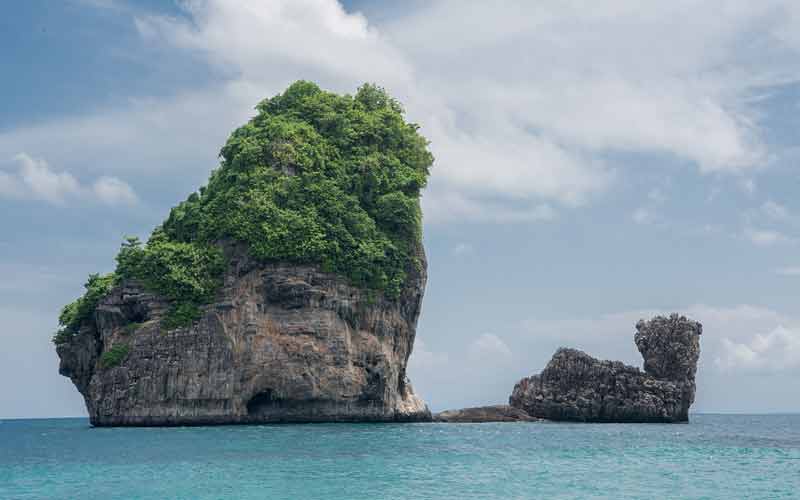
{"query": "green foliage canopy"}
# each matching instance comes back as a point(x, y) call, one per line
point(319, 178)
point(75, 313)
point(114, 356)
point(314, 177)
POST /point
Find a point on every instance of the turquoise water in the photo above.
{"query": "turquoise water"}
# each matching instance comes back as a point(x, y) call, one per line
point(714, 457)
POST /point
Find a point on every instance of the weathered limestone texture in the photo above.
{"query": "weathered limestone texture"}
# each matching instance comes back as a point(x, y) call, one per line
point(282, 343)
point(480, 414)
point(577, 387)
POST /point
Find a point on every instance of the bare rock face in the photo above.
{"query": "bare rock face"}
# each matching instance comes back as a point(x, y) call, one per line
point(577, 387)
point(282, 343)
point(481, 414)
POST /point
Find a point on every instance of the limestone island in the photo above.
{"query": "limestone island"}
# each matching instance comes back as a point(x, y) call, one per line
point(288, 290)
point(285, 290)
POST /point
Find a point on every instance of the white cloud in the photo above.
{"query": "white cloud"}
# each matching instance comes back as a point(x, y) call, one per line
point(773, 352)
point(503, 161)
point(618, 76)
point(452, 206)
point(42, 183)
point(313, 38)
point(489, 347)
point(144, 137)
point(113, 191)
point(735, 339)
point(36, 180)
point(520, 125)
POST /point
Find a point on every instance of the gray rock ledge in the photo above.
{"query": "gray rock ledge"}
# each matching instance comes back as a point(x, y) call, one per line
point(479, 414)
point(577, 387)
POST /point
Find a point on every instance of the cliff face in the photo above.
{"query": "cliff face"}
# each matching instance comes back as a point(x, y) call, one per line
point(577, 387)
point(282, 343)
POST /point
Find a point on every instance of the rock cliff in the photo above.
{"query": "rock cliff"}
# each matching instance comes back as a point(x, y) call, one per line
point(282, 343)
point(577, 387)
point(287, 289)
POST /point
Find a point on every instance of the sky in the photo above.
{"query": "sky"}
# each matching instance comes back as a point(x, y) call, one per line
point(596, 163)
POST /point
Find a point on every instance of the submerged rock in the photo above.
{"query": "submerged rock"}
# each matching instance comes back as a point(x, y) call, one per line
point(496, 413)
point(283, 343)
point(577, 387)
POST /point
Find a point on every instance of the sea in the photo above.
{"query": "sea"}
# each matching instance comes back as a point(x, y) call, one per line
point(712, 457)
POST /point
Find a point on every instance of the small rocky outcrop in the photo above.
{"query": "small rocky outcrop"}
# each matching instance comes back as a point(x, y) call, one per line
point(282, 343)
point(480, 414)
point(577, 387)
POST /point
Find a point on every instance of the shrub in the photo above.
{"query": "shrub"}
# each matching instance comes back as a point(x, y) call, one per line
point(181, 314)
point(75, 313)
point(114, 356)
point(179, 271)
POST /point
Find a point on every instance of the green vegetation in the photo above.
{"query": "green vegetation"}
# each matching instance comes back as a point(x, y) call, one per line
point(75, 313)
point(314, 177)
point(114, 356)
point(181, 314)
point(187, 274)
point(318, 178)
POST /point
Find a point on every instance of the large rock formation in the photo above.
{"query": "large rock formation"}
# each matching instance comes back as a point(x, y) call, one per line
point(282, 343)
point(287, 289)
point(577, 387)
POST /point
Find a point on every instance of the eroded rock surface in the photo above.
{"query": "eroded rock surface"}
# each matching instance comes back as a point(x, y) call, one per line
point(480, 414)
point(577, 387)
point(282, 343)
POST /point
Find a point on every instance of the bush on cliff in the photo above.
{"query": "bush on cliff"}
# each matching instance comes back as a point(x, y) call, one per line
point(187, 274)
point(75, 313)
point(114, 356)
point(314, 177)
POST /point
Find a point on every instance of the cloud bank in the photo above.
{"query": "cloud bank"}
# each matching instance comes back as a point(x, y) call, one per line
point(776, 351)
point(35, 180)
point(523, 104)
